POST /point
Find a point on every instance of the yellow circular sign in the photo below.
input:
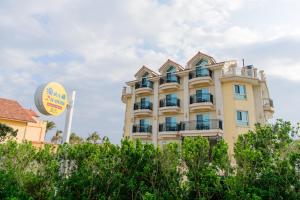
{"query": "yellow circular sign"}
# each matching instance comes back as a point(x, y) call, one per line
point(51, 99)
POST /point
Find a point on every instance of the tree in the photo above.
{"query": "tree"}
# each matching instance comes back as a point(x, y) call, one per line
point(7, 132)
point(262, 172)
point(75, 139)
point(50, 126)
point(57, 138)
point(205, 163)
point(94, 138)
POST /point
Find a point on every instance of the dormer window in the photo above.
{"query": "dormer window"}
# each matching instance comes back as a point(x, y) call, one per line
point(201, 69)
point(171, 74)
point(145, 79)
point(202, 63)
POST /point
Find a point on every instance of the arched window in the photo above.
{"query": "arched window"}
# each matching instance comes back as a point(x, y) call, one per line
point(202, 63)
point(171, 76)
point(201, 69)
point(145, 79)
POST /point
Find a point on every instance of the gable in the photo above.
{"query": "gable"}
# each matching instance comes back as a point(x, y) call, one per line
point(198, 58)
point(145, 71)
point(169, 64)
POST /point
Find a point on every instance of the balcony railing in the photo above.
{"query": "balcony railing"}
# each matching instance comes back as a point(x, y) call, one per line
point(169, 78)
point(169, 102)
point(203, 72)
point(142, 129)
point(268, 102)
point(205, 97)
point(142, 105)
point(169, 127)
point(144, 84)
point(201, 125)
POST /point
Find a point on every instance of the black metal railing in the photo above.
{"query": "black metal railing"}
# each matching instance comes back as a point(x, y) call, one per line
point(169, 78)
point(143, 105)
point(201, 125)
point(204, 97)
point(203, 72)
point(142, 129)
point(169, 127)
point(169, 102)
point(144, 84)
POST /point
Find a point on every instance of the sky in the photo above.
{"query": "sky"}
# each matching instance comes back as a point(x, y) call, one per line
point(95, 46)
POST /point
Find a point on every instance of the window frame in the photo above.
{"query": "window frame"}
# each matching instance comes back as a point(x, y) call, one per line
point(237, 94)
point(242, 114)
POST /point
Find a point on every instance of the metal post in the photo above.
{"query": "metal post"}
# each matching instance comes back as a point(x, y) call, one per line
point(69, 117)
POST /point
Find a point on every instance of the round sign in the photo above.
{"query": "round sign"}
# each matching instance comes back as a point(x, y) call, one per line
point(51, 99)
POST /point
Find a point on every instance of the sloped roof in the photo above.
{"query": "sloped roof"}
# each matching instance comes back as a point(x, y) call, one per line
point(12, 110)
point(168, 63)
point(145, 69)
point(200, 54)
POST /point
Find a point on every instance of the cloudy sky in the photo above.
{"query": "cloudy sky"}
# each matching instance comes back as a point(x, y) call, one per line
point(94, 46)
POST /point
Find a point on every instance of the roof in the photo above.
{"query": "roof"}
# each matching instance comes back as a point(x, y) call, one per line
point(145, 69)
point(12, 110)
point(170, 62)
point(200, 54)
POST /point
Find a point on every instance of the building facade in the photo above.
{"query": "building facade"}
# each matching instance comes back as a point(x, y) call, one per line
point(26, 121)
point(206, 98)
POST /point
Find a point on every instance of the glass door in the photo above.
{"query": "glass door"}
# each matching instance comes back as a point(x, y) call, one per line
point(202, 95)
point(203, 121)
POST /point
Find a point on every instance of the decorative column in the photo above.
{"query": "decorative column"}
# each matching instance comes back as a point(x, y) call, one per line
point(218, 94)
point(186, 95)
point(132, 110)
point(155, 113)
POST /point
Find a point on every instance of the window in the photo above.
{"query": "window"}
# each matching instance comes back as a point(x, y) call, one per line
point(171, 100)
point(145, 81)
point(144, 125)
point(171, 124)
point(242, 118)
point(203, 95)
point(145, 103)
point(203, 121)
point(240, 92)
point(171, 76)
point(202, 63)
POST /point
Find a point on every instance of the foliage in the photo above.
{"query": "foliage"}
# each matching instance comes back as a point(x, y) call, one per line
point(50, 126)
point(7, 132)
point(93, 138)
point(75, 139)
point(267, 167)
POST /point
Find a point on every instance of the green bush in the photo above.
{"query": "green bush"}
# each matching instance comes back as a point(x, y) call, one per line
point(267, 167)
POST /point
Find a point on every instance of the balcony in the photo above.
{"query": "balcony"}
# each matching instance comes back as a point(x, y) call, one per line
point(248, 74)
point(203, 102)
point(169, 106)
point(205, 128)
point(142, 132)
point(168, 130)
point(200, 77)
point(126, 93)
point(268, 105)
point(169, 82)
point(142, 109)
point(144, 87)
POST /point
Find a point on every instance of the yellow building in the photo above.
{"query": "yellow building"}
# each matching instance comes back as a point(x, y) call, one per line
point(206, 98)
point(29, 126)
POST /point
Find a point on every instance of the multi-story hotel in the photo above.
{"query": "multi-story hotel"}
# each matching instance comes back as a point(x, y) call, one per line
point(206, 98)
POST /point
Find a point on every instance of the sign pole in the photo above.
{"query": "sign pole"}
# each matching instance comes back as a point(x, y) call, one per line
point(69, 117)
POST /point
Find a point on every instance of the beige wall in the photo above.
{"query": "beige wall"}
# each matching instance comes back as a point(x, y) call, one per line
point(231, 105)
point(34, 132)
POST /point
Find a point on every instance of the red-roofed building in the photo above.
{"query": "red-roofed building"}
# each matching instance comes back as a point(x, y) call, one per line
point(26, 121)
